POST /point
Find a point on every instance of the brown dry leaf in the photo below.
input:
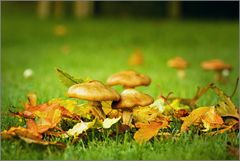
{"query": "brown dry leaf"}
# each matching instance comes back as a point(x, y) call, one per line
point(181, 113)
point(20, 131)
point(42, 142)
point(195, 117)
point(231, 126)
point(136, 58)
point(147, 130)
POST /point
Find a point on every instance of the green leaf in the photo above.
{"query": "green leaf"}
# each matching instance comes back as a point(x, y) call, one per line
point(67, 79)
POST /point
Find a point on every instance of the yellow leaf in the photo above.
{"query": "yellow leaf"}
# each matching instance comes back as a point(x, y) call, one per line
point(79, 128)
point(225, 107)
point(107, 123)
point(145, 114)
point(68, 104)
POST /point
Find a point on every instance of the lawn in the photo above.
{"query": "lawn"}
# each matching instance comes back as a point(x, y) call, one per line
point(100, 47)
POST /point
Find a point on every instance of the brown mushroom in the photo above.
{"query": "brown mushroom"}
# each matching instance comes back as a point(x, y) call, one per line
point(222, 70)
point(180, 64)
point(94, 92)
point(131, 98)
point(128, 79)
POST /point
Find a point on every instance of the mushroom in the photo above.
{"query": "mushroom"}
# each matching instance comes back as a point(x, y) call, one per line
point(128, 79)
point(131, 98)
point(180, 64)
point(136, 58)
point(222, 70)
point(94, 92)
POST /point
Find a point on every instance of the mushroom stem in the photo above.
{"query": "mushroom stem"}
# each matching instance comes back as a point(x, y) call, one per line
point(127, 117)
point(97, 109)
point(181, 73)
point(220, 77)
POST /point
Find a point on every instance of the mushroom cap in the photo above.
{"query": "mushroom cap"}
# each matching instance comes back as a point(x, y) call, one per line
point(128, 79)
point(178, 63)
point(131, 98)
point(93, 91)
point(216, 65)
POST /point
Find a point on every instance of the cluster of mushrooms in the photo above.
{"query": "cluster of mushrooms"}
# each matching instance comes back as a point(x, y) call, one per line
point(95, 92)
point(221, 69)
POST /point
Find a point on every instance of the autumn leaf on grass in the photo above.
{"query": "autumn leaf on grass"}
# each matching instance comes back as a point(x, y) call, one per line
point(159, 104)
point(147, 131)
point(225, 107)
point(145, 114)
point(168, 108)
point(67, 79)
point(107, 123)
point(194, 118)
point(79, 128)
point(42, 142)
point(21, 131)
point(52, 118)
point(211, 120)
point(69, 104)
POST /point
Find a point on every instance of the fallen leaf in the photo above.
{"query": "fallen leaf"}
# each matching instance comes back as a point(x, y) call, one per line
point(147, 131)
point(194, 118)
point(211, 119)
point(50, 120)
point(21, 131)
point(79, 128)
point(181, 113)
point(107, 123)
point(42, 142)
point(225, 107)
point(145, 114)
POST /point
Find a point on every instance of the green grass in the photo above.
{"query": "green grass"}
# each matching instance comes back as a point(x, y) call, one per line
point(100, 47)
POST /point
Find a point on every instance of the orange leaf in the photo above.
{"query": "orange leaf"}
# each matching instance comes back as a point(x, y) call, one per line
point(31, 125)
point(147, 131)
point(194, 117)
point(211, 119)
point(20, 131)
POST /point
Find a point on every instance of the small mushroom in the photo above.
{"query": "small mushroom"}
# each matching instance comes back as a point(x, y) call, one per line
point(222, 70)
point(131, 98)
point(128, 79)
point(136, 58)
point(180, 64)
point(94, 92)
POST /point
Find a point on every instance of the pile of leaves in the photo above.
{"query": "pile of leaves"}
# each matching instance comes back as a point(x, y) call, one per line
point(58, 120)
